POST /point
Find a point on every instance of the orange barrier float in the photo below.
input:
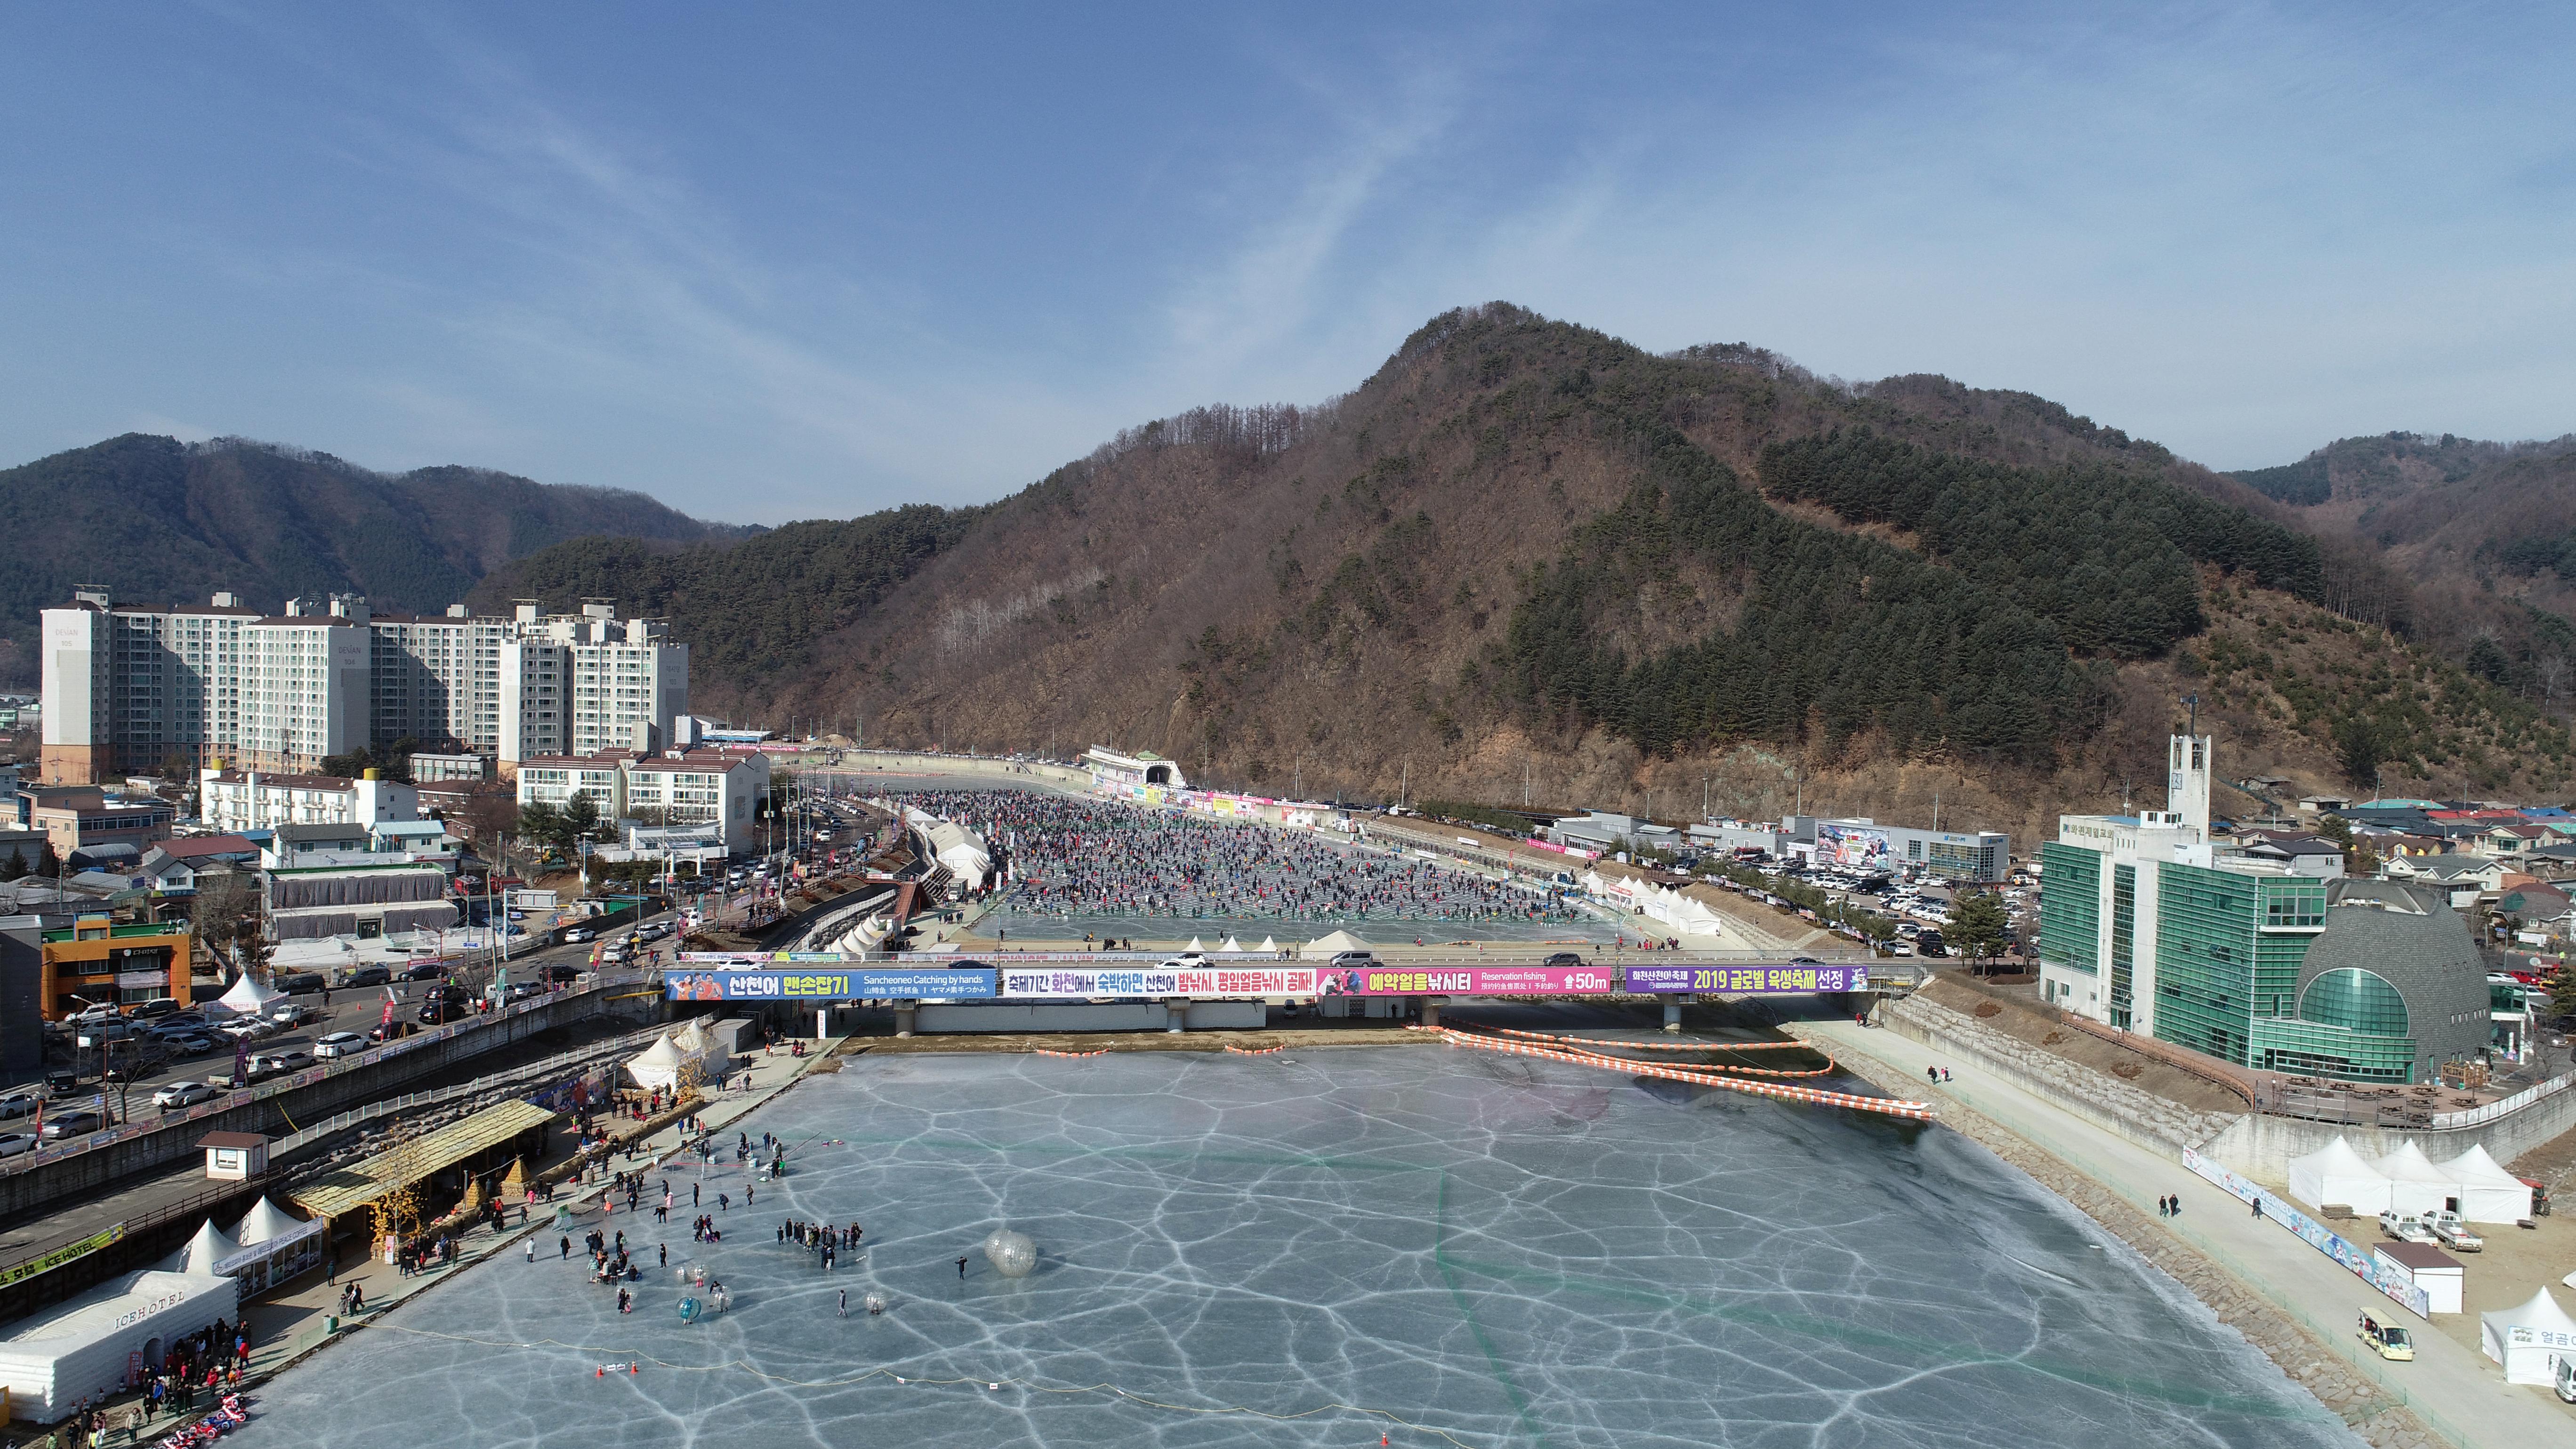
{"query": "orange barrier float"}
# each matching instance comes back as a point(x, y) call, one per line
point(1253, 1051)
point(1914, 1111)
point(1047, 1052)
point(1653, 1046)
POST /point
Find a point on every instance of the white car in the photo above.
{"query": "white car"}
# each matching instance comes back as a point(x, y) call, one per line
point(246, 1028)
point(339, 1044)
point(579, 933)
point(13, 1143)
point(182, 1094)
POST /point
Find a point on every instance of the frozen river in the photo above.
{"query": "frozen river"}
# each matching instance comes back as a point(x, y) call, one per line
point(1320, 1246)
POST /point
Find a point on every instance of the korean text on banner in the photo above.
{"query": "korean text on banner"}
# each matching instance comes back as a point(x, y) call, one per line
point(1472, 981)
point(1747, 978)
point(850, 985)
point(1200, 983)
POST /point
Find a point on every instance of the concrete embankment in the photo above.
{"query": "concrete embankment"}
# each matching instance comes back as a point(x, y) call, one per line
point(2289, 1300)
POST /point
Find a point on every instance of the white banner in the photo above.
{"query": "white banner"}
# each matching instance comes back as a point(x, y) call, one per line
point(1206, 983)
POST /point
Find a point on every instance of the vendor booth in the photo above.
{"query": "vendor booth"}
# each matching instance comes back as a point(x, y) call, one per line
point(2528, 1340)
point(2488, 1193)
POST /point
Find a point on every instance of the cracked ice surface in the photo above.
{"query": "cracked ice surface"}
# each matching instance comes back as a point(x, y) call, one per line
point(1494, 1251)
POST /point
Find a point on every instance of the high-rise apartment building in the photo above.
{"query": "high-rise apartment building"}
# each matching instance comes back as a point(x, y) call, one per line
point(141, 684)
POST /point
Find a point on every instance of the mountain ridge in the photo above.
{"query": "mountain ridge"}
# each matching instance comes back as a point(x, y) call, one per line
point(161, 521)
point(1523, 549)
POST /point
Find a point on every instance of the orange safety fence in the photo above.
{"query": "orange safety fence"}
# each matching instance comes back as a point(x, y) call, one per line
point(1652, 1046)
point(1917, 1111)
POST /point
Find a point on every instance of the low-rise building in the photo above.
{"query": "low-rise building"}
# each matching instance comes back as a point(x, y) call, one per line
point(80, 817)
point(357, 895)
point(700, 787)
point(98, 961)
point(235, 800)
point(552, 780)
point(430, 768)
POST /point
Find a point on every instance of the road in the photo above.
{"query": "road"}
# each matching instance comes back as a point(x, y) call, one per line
point(2447, 1379)
point(353, 1009)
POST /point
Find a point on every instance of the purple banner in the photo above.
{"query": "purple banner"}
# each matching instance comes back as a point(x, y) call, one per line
point(1748, 978)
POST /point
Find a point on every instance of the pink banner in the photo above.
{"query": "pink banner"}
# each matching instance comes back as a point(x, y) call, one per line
point(1471, 981)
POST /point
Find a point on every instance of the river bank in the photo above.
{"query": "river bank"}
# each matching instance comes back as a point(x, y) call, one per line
point(2291, 1303)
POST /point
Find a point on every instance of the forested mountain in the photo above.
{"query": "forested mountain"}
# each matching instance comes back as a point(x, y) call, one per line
point(1525, 556)
point(160, 521)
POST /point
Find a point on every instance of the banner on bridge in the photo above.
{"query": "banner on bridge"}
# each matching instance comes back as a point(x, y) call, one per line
point(1472, 981)
point(847, 985)
point(761, 958)
point(1199, 983)
point(1748, 978)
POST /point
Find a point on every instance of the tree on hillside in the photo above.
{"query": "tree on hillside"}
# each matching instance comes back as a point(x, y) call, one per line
point(2562, 992)
point(1977, 923)
point(2359, 748)
point(15, 868)
point(541, 824)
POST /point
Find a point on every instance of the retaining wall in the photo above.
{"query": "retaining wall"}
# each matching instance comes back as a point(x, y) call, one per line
point(46, 1184)
point(2106, 1102)
point(2262, 1147)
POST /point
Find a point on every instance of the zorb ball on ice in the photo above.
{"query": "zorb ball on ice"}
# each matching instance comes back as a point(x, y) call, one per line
point(1012, 1254)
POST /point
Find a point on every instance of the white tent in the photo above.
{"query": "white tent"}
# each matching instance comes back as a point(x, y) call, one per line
point(1270, 944)
point(265, 1220)
point(2336, 1173)
point(1339, 941)
point(1194, 944)
point(209, 1247)
point(249, 997)
point(657, 1065)
point(1231, 945)
point(57, 1356)
point(2488, 1193)
point(2415, 1185)
point(2526, 1339)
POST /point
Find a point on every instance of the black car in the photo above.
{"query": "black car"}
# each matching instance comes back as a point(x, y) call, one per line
point(368, 976)
point(296, 983)
point(563, 971)
point(424, 971)
point(444, 1004)
point(1565, 958)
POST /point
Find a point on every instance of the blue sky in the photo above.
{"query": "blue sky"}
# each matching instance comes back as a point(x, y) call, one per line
point(771, 262)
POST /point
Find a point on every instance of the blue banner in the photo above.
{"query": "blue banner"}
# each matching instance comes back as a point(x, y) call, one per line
point(851, 984)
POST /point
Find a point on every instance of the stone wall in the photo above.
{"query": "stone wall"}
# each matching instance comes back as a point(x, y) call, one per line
point(2105, 1101)
point(2262, 1147)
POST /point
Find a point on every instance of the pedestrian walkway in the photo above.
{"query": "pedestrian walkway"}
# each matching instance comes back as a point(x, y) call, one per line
point(286, 1326)
point(2460, 1392)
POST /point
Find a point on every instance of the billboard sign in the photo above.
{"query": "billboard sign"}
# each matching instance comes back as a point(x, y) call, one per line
point(1853, 845)
point(1650, 979)
point(1202, 983)
point(1472, 981)
point(830, 985)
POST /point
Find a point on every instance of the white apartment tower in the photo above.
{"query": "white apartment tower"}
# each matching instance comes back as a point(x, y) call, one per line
point(127, 687)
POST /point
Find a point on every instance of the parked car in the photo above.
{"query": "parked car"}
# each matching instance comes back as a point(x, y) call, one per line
point(2454, 1234)
point(286, 1017)
point(562, 972)
point(247, 1028)
point(339, 1044)
point(71, 1124)
point(367, 976)
point(522, 990)
point(158, 1006)
point(13, 1143)
point(194, 1044)
point(2406, 1227)
point(185, 1024)
point(91, 1015)
point(424, 971)
point(297, 983)
point(2565, 1386)
point(2388, 1340)
point(182, 1094)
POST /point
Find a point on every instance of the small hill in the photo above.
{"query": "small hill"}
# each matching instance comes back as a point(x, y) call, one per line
point(157, 520)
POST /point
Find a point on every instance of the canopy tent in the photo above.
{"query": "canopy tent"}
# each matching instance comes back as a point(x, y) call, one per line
point(2415, 1185)
point(2488, 1193)
point(2336, 1173)
point(1269, 944)
point(1333, 944)
point(1683, 913)
point(209, 1247)
point(264, 1221)
point(2528, 1339)
point(249, 997)
point(1194, 944)
point(658, 1065)
point(1230, 946)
